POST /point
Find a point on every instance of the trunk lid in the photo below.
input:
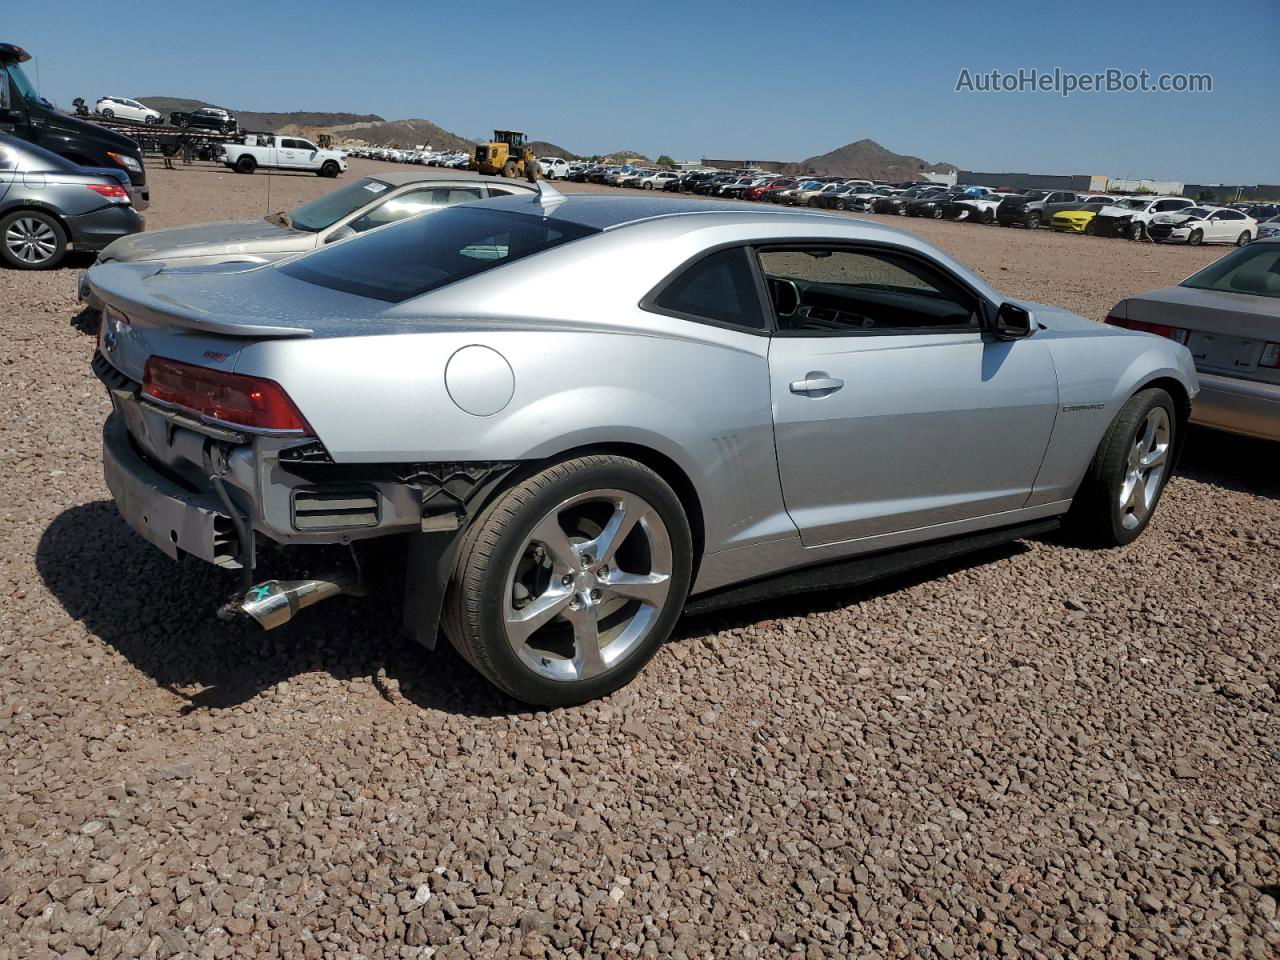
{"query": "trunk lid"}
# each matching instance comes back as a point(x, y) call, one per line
point(234, 237)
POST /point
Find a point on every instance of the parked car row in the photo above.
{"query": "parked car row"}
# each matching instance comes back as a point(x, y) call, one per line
point(451, 159)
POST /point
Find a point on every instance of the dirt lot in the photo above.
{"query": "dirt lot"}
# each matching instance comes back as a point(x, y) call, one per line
point(1041, 752)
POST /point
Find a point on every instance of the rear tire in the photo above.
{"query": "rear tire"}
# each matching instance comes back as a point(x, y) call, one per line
point(1243, 239)
point(246, 164)
point(1130, 469)
point(31, 239)
point(543, 616)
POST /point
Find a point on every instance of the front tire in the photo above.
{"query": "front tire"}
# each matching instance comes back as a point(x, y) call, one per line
point(510, 170)
point(1196, 238)
point(1137, 231)
point(329, 169)
point(32, 240)
point(1033, 221)
point(1090, 229)
point(1119, 494)
point(568, 583)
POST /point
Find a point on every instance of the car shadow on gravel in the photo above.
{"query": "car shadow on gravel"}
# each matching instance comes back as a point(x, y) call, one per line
point(1237, 463)
point(160, 616)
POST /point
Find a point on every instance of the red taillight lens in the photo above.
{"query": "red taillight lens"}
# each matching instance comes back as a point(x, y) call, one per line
point(1177, 334)
point(115, 193)
point(227, 397)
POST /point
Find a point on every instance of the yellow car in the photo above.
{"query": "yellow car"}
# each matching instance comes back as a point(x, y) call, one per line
point(1075, 221)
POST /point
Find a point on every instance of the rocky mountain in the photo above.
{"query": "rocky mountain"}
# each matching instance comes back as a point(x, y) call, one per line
point(402, 133)
point(542, 148)
point(264, 122)
point(868, 159)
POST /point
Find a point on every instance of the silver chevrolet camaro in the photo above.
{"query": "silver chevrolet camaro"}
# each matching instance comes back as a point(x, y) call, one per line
point(574, 418)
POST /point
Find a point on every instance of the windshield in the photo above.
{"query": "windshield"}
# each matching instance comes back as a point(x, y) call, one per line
point(1198, 212)
point(414, 256)
point(1133, 203)
point(327, 210)
point(25, 86)
point(1254, 269)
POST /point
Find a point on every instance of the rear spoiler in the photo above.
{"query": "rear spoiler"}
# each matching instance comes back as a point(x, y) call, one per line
point(123, 285)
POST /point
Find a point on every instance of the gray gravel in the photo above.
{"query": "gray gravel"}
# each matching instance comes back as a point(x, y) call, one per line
point(1040, 752)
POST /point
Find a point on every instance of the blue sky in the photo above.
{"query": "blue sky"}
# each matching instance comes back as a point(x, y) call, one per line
point(747, 80)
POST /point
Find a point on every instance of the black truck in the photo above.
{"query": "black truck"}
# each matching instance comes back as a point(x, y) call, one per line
point(28, 116)
point(206, 118)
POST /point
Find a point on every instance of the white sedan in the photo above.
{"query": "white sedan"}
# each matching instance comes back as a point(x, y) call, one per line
point(553, 168)
point(1196, 225)
point(127, 109)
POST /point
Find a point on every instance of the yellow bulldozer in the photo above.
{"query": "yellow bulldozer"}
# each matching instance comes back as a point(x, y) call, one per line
point(505, 155)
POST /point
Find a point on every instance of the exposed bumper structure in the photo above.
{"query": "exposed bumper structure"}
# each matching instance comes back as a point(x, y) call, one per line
point(1238, 406)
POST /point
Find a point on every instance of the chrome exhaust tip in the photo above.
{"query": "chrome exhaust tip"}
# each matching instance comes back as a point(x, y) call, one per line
point(274, 603)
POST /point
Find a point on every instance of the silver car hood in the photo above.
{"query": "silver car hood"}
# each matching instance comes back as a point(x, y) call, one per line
point(1250, 315)
point(1055, 318)
point(256, 238)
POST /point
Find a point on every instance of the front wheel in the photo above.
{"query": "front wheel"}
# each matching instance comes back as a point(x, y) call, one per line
point(329, 169)
point(1033, 221)
point(1196, 238)
point(648, 186)
point(1090, 229)
point(1137, 231)
point(1128, 474)
point(510, 170)
point(569, 582)
point(937, 213)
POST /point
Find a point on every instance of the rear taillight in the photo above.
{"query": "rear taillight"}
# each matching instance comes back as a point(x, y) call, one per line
point(113, 192)
point(1270, 355)
point(231, 398)
point(1177, 334)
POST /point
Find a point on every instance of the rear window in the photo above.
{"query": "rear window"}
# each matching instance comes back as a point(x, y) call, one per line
point(412, 257)
point(1254, 269)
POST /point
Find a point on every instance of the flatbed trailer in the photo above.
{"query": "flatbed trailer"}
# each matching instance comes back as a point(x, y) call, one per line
point(170, 141)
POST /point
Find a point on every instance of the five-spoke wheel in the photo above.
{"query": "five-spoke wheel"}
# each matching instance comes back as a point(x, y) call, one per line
point(570, 580)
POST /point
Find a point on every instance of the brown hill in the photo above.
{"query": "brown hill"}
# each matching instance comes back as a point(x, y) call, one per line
point(866, 158)
point(263, 122)
point(543, 148)
point(402, 133)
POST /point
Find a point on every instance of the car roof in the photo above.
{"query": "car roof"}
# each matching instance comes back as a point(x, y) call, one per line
point(398, 178)
point(604, 212)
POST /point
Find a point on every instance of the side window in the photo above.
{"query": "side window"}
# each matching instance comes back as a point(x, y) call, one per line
point(286, 144)
point(306, 145)
point(413, 202)
point(830, 291)
point(503, 191)
point(1230, 215)
point(718, 287)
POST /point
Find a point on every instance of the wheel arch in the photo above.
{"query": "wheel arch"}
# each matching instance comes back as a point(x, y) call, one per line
point(42, 207)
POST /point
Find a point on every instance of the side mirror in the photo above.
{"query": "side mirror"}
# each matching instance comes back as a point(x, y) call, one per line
point(1012, 322)
point(340, 234)
point(9, 115)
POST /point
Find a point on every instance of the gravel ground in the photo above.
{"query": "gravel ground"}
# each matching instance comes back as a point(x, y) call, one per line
point(1041, 752)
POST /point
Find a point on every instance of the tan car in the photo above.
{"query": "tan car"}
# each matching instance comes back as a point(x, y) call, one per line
point(1228, 316)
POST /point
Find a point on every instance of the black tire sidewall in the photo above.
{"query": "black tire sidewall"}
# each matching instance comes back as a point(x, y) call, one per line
point(246, 164)
point(513, 675)
point(60, 234)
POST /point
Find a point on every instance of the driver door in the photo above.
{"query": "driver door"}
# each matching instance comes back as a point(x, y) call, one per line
point(894, 409)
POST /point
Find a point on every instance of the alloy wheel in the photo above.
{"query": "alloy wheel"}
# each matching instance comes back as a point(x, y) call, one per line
point(1145, 468)
point(31, 240)
point(588, 585)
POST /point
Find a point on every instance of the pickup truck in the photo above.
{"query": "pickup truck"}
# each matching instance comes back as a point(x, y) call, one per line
point(206, 118)
point(283, 153)
point(1033, 208)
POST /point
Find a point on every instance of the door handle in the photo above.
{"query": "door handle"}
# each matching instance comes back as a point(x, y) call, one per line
point(816, 384)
